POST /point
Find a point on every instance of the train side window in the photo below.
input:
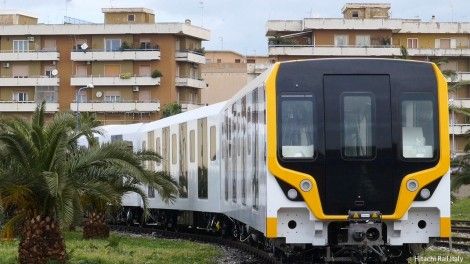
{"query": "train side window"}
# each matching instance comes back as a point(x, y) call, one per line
point(173, 148)
point(213, 143)
point(158, 150)
point(192, 146)
point(297, 126)
point(418, 127)
point(116, 138)
point(357, 130)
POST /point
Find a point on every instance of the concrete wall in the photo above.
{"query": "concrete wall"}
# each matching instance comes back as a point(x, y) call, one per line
point(327, 37)
point(122, 18)
point(224, 80)
point(427, 41)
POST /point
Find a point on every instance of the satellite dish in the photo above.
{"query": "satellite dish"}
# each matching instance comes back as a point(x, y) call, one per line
point(99, 94)
point(84, 46)
point(54, 72)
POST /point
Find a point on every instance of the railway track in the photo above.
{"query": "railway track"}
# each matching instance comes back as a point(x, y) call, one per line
point(458, 242)
point(260, 254)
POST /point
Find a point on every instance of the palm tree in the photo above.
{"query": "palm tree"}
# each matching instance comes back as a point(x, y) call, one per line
point(44, 175)
point(122, 180)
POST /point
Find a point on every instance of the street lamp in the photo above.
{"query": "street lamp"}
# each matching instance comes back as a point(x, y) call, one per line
point(89, 86)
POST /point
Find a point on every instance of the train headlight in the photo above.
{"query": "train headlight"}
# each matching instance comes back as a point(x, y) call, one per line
point(292, 194)
point(425, 193)
point(305, 185)
point(412, 185)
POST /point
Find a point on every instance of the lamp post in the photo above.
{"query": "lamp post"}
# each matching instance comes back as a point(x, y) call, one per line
point(89, 86)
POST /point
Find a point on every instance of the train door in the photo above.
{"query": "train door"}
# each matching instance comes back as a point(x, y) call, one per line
point(358, 144)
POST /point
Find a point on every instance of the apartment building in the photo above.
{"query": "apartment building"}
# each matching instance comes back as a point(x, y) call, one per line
point(227, 72)
point(367, 30)
point(135, 65)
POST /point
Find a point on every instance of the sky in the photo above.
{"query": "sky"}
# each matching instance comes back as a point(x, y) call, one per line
point(235, 25)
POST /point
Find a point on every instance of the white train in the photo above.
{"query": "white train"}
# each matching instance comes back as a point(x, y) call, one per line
point(347, 158)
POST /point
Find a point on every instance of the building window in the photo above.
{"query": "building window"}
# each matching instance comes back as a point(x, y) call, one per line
point(355, 14)
point(112, 44)
point(412, 43)
point(47, 94)
point(20, 97)
point(131, 18)
point(20, 45)
point(237, 60)
point(443, 43)
point(145, 43)
point(112, 97)
point(219, 61)
point(341, 40)
point(250, 61)
point(363, 40)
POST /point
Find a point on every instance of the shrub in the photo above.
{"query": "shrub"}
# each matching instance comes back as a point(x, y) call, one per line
point(156, 74)
point(125, 75)
point(171, 109)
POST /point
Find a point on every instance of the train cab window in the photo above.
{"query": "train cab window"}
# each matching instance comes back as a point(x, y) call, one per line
point(357, 126)
point(418, 138)
point(297, 126)
point(213, 142)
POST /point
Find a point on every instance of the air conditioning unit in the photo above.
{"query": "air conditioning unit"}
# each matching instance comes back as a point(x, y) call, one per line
point(135, 88)
point(6, 65)
point(30, 39)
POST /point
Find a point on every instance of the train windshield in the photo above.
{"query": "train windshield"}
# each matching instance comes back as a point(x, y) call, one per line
point(297, 126)
point(418, 137)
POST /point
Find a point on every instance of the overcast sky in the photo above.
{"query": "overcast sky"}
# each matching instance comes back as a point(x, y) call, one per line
point(234, 25)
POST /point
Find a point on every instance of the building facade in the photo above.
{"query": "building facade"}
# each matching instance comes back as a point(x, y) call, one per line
point(367, 30)
point(135, 65)
point(227, 72)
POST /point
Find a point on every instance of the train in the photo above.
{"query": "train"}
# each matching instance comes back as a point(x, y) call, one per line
point(347, 159)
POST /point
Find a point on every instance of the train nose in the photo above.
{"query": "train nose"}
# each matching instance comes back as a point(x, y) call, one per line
point(358, 236)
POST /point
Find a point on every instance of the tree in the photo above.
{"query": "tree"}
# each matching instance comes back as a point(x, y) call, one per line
point(171, 109)
point(45, 176)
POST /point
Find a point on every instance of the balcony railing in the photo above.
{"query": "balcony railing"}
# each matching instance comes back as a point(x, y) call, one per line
point(119, 55)
point(28, 81)
point(459, 129)
point(117, 107)
point(190, 56)
point(26, 106)
point(369, 50)
point(190, 82)
point(32, 55)
point(99, 80)
point(459, 77)
point(188, 106)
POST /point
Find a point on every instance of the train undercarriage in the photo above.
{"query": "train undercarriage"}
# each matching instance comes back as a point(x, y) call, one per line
point(367, 245)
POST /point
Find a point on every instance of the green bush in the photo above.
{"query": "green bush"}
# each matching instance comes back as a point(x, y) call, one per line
point(156, 74)
point(171, 109)
point(125, 75)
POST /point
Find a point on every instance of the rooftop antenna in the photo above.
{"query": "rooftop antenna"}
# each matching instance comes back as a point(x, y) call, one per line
point(4, 4)
point(451, 10)
point(202, 13)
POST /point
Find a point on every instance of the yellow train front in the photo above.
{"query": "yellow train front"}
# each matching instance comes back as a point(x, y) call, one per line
point(360, 151)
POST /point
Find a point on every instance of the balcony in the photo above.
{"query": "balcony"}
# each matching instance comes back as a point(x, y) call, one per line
point(188, 106)
point(46, 55)
point(101, 55)
point(459, 129)
point(114, 81)
point(27, 106)
point(117, 107)
point(460, 103)
point(190, 82)
point(459, 77)
point(29, 81)
point(383, 51)
point(190, 56)
point(318, 50)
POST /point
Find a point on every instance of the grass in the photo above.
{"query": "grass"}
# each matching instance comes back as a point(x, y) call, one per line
point(125, 250)
point(461, 209)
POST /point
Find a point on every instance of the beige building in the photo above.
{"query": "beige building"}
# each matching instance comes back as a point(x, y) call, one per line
point(366, 30)
point(135, 65)
point(226, 72)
